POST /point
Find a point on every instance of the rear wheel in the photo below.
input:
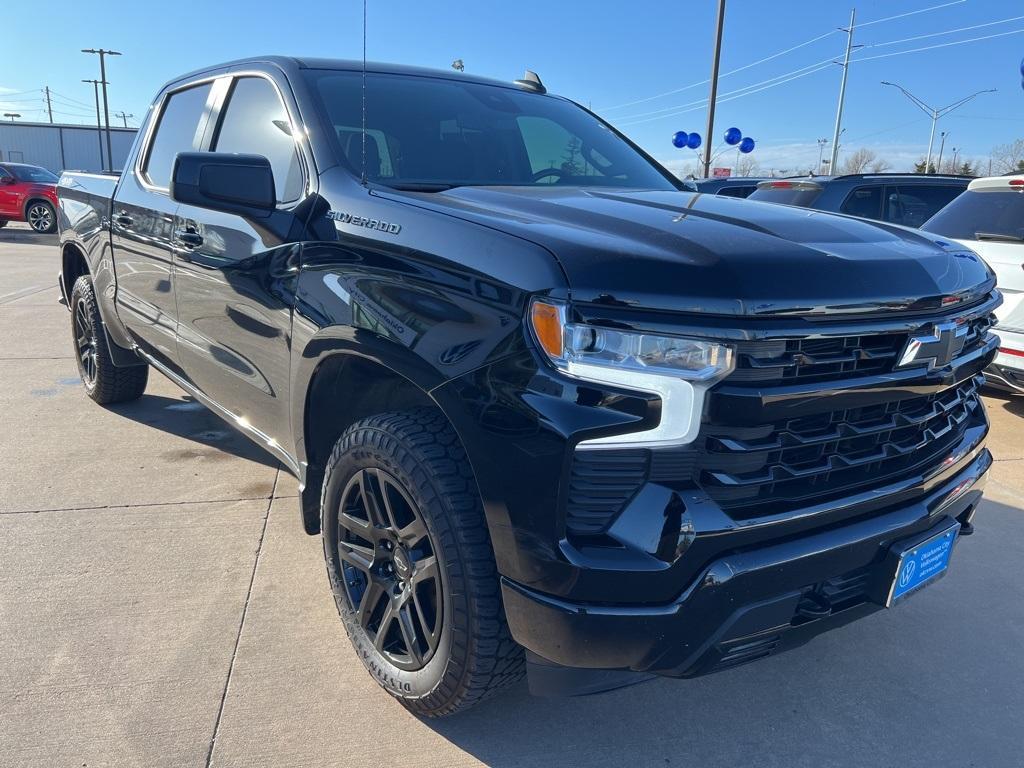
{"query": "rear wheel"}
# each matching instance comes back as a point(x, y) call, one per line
point(411, 566)
point(41, 217)
point(104, 382)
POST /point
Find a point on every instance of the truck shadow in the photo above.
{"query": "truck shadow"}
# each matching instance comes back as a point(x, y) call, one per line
point(873, 693)
point(191, 420)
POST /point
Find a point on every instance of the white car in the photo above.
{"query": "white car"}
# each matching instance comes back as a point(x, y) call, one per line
point(989, 219)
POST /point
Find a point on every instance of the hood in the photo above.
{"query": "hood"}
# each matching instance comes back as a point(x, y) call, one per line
point(685, 252)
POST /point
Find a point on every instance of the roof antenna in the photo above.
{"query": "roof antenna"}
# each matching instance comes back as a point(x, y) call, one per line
point(364, 94)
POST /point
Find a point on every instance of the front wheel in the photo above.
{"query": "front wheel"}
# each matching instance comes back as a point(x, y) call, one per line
point(411, 566)
point(104, 382)
point(41, 217)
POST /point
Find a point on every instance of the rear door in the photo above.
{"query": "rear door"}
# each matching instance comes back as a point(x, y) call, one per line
point(142, 222)
point(234, 280)
point(8, 195)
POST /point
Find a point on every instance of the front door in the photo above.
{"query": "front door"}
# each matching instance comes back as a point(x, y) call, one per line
point(142, 225)
point(234, 280)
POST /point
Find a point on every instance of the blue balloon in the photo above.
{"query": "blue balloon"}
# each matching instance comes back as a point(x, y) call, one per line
point(694, 141)
point(733, 136)
point(681, 138)
point(747, 145)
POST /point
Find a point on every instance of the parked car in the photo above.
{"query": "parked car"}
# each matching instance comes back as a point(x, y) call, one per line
point(897, 198)
point(733, 186)
point(28, 193)
point(563, 418)
point(989, 219)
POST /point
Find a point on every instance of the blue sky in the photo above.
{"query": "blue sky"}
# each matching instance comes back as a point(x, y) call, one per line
point(600, 53)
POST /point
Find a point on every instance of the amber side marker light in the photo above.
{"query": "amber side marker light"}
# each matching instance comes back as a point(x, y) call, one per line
point(546, 320)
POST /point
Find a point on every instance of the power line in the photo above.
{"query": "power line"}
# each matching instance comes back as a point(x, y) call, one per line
point(794, 75)
point(781, 53)
point(945, 32)
point(939, 45)
point(725, 74)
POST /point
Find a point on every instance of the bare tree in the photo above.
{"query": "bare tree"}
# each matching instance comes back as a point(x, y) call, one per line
point(859, 161)
point(746, 166)
point(880, 166)
point(1008, 158)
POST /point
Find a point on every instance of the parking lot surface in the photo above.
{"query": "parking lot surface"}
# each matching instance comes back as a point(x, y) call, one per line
point(161, 606)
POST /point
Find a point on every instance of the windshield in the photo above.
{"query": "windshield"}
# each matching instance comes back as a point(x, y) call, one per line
point(32, 173)
point(434, 133)
point(984, 212)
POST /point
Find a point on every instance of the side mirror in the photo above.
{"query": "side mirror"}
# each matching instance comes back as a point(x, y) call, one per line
point(241, 184)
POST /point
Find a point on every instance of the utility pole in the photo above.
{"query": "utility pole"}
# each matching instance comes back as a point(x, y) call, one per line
point(719, 24)
point(842, 91)
point(124, 117)
point(49, 106)
point(942, 146)
point(934, 113)
point(821, 149)
point(99, 128)
point(103, 81)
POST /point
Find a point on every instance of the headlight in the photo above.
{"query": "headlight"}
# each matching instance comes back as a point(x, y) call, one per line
point(677, 369)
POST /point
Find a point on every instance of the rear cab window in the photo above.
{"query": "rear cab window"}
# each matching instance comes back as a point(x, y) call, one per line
point(802, 194)
point(981, 214)
point(176, 131)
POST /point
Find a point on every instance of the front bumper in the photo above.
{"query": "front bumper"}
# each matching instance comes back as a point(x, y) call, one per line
point(745, 605)
point(1007, 370)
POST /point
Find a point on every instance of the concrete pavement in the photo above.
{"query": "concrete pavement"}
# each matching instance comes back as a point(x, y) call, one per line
point(161, 606)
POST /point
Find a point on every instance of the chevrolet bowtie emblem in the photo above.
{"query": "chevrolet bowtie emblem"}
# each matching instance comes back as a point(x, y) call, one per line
point(935, 349)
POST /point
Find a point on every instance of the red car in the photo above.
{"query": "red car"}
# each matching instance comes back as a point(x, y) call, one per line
point(28, 193)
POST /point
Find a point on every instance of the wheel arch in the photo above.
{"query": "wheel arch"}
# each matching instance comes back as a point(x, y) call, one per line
point(73, 264)
point(345, 385)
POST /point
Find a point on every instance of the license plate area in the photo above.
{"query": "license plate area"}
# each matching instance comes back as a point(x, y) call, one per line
point(915, 564)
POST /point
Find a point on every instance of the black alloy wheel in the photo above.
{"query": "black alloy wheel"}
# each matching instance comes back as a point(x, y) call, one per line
point(86, 344)
point(391, 576)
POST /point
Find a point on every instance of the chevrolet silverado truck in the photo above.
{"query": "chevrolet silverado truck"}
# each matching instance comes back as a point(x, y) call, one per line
point(550, 413)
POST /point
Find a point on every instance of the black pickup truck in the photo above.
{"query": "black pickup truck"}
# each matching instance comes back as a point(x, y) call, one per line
point(549, 411)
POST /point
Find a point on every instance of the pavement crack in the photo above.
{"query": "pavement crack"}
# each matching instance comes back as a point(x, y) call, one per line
point(241, 623)
point(101, 507)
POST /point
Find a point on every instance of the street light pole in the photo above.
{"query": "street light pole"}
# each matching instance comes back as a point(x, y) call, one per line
point(842, 92)
point(821, 149)
point(103, 80)
point(719, 24)
point(942, 146)
point(99, 128)
point(935, 113)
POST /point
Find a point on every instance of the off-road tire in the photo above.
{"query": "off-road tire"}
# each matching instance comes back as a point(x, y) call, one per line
point(104, 382)
point(476, 656)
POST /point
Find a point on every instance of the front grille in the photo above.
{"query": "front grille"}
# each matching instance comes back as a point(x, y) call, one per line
point(833, 357)
point(770, 468)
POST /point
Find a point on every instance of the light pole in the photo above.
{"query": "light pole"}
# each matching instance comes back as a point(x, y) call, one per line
point(719, 24)
point(821, 150)
point(935, 113)
point(942, 146)
point(12, 115)
point(99, 128)
point(103, 81)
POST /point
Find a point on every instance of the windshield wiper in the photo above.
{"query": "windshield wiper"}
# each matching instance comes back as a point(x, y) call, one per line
point(999, 236)
point(423, 186)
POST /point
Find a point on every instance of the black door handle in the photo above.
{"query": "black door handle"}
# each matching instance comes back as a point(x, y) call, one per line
point(189, 238)
point(124, 219)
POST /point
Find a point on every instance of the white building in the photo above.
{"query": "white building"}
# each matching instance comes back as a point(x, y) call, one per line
point(59, 147)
